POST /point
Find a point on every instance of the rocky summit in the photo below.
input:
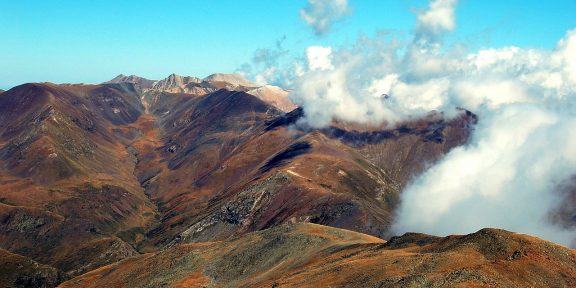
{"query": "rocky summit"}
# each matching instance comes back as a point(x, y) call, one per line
point(218, 182)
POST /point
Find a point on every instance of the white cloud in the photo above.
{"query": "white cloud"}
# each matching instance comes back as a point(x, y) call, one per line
point(319, 58)
point(505, 178)
point(521, 152)
point(514, 171)
point(437, 19)
point(322, 14)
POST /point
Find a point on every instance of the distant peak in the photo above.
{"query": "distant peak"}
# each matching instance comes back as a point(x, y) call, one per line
point(134, 79)
point(234, 79)
point(174, 75)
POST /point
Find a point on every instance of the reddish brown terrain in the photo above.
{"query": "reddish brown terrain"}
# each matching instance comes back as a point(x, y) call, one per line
point(309, 255)
point(94, 174)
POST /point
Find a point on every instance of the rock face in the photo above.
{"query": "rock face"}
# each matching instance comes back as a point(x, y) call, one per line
point(308, 255)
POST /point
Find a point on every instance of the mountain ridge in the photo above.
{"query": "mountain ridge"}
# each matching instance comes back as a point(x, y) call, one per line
point(177, 84)
point(91, 175)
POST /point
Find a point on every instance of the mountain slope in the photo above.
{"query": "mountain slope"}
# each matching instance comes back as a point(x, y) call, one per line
point(61, 202)
point(230, 164)
point(19, 271)
point(92, 174)
point(308, 255)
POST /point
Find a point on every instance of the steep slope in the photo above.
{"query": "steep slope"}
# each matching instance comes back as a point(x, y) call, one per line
point(308, 255)
point(62, 203)
point(19, 271)
point(230, 164)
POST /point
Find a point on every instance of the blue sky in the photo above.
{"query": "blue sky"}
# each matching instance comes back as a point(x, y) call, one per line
point(92, 41)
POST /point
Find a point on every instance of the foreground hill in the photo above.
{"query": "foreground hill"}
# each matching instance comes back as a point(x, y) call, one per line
point(308, 255)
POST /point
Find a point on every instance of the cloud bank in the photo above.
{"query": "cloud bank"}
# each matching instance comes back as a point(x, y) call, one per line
point(521, 153)
point(322, 14)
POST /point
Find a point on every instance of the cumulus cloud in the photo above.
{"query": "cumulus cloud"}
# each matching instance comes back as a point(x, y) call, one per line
point(506, 178)
point(319, 58)
point(520, 154)
point(322, 14)
point(437, 19)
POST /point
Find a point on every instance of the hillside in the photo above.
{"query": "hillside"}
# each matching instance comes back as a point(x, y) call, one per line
point(308, 255)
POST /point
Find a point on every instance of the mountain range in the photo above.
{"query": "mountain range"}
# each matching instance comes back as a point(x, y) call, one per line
point(217, 182)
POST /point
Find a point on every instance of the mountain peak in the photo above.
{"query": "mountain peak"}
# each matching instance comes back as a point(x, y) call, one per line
point(234, 79)
point(175, 83)
point(275, 96)
point(134, 79)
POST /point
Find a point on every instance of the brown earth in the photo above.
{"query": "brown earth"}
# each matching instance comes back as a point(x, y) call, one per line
point(309, 255)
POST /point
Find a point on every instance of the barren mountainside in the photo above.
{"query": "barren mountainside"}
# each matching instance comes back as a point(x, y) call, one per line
point(309, 255)
point(207, 182)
